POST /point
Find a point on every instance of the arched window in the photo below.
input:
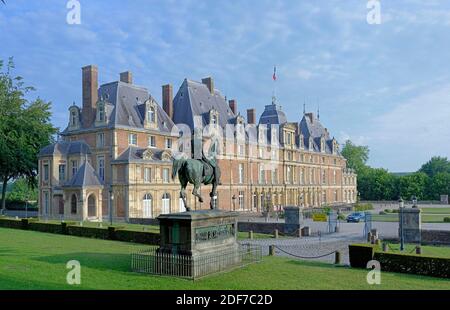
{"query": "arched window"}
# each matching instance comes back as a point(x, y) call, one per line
point(92, 206)
point(147, 203)
point(165, 203)
point(73, 204)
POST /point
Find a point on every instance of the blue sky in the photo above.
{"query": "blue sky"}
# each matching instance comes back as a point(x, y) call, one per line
point(386, 86)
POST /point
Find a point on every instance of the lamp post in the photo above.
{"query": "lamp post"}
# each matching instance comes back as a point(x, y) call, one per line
point(402, 241)
point(110, 204)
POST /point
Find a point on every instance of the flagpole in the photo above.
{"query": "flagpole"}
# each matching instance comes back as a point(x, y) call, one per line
point(274, 78)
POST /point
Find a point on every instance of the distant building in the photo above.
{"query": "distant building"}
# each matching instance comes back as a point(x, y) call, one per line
point(118, 147)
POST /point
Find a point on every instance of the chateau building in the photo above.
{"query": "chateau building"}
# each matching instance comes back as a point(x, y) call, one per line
point(114, 157)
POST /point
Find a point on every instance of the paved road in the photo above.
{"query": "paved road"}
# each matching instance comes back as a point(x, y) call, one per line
point(21, 214)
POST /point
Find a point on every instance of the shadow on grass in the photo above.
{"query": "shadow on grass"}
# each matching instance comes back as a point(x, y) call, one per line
point(10, 283)
point(100, 261)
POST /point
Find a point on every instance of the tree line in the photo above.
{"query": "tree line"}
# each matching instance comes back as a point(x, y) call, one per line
point(427, 183)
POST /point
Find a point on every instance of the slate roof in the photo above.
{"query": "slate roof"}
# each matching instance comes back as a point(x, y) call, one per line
point(313, 128)
point(65, 148)
point(124, 106)
point(135, 154)
point(85, 176)
point(273, 115)
point(194, 98)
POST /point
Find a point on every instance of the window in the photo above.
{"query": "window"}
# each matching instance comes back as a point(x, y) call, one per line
point(289, 175)
point(62, 172)
point(261, 175)
point(323, 160)
point(324, 176)
point(334, 177)
point(335, 161)
point(147, 206)
point(151, 114)
point(132, 139)
point(101, 167)
point(335, 196)
point(152, 141)
point(100, 139)
point(165, 175)
point(241, 200)
point(101, 112)
point(168, 143)
point(275, 176)
point(241, 173)
point(241, 150)
point(46, 203)
point(165, 204)
point(302, 176)
point(73, 204)
point(311, 176)
point(74, 164)
point(214, 119)
point(73, 118)
point(46, 172)
point(147, 175)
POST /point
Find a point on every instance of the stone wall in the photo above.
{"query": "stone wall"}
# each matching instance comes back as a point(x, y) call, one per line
point(436, 237)
point(260, 228)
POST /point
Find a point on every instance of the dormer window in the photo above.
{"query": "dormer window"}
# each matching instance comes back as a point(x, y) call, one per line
point(322, 144)
point(213, 117)
point(151, 116)
point(74, 117)
point(311, 144)
point(302, 142)
point(101, 114)
point(335, 146)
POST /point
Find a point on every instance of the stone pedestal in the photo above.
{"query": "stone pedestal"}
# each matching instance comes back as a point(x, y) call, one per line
point(412, 225)
point(198, 232)
point(293, 219)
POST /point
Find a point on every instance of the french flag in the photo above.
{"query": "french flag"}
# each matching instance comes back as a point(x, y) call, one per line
point(274, 77)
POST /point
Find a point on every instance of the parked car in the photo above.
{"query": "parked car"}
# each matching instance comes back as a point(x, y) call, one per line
point(356, 217)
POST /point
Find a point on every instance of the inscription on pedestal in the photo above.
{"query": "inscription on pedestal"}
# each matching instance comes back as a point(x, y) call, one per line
point(209, 233)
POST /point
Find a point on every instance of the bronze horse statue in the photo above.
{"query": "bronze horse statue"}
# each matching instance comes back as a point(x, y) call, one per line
point(196, 172)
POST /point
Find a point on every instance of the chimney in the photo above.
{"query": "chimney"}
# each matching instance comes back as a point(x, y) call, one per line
point(90, 94)
point(126, 77)
point(310, 116)
point(167, 99)
point(209, 82)
point(251, 116)
point(233, 106)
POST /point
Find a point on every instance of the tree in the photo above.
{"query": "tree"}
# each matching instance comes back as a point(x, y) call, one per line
point(436, 165)
point(413, 185)
point(356, 156)
point(377, 184)
point(438, 185)
point(22, 191)
point(24, 129)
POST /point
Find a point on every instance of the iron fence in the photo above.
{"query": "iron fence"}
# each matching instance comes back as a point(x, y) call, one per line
point(151, 261)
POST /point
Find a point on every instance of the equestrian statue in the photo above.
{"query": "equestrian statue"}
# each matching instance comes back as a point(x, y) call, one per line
point(197, 171)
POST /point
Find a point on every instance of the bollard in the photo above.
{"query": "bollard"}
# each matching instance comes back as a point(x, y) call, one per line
point(336, 229)
point(385, 247)
point(250, 234)
point(275, 234)
point(369, 237)
point(337, 258)
point(271, 250)
point(418, 250)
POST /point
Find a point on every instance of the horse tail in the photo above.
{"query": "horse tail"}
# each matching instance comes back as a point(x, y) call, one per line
point(176, 166)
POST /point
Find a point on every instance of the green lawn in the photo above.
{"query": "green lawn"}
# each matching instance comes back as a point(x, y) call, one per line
point(436, 210)
point(436, 251)
point(426, 217)
point(34, 260)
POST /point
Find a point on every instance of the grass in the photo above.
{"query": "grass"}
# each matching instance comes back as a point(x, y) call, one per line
point(435, 251)
point(34, 260)
point(436, 210)
point(426, 217)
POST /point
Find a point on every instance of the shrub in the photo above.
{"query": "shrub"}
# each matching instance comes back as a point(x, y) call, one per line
point(446, 219)
point(363, 207)
point(45, 227)
point(89, 232)
point(382, 213)
point(414, 264)
point(11, 223)
point(360, 254)
point(137, 236)
point(342, 217)
point(388, 210)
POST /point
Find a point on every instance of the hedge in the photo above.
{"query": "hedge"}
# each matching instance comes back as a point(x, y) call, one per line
point(360, 254)
point(415, 264)
point(68, 228)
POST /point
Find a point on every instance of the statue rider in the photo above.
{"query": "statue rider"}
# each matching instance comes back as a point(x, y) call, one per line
point(209, 158)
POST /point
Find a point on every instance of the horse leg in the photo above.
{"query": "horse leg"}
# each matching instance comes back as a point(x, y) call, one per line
point(183, 195)
point(213, 196)
point(196, 193)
